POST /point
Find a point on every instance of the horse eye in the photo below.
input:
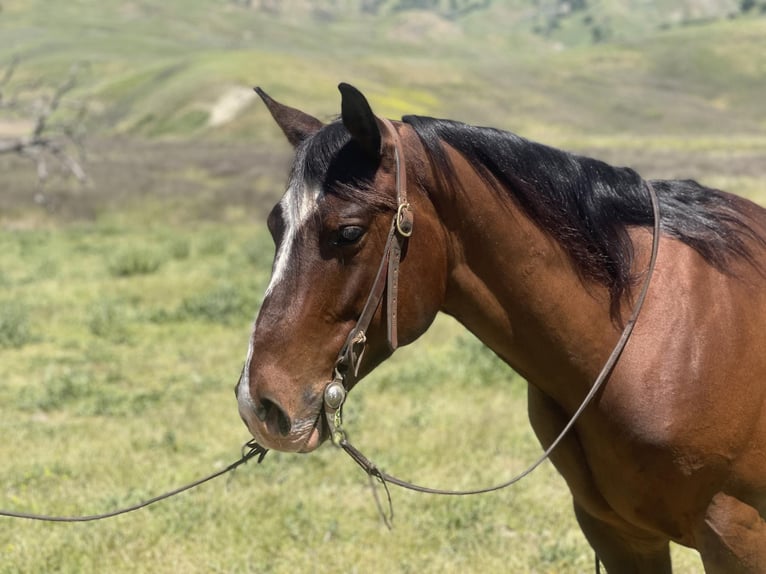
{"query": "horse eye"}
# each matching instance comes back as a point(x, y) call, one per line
point(349, 234)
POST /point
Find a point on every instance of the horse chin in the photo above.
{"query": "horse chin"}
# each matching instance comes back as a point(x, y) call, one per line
point(305, 439)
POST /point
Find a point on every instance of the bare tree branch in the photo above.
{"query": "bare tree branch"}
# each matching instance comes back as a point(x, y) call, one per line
point(60, 141)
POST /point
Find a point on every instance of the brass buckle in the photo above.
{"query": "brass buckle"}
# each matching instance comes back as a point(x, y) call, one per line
point(404, 220)
point(356, 349)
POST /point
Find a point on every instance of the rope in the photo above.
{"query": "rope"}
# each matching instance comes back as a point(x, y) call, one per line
point(254, 450)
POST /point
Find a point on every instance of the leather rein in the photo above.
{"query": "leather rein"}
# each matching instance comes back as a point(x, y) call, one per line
point(387, 279)
point(250, 449)
point(352, 352)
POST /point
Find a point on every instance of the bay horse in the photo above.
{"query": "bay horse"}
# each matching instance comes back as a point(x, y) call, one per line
point(537, 252)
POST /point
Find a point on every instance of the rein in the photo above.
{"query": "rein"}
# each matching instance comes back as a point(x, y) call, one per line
point(254, 449)
point(352, 352)
point(350, 356)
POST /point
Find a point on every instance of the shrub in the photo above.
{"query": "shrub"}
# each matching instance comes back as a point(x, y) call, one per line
point(132, 261)
point(14, 325)
point(179, 249)
point(106, 321)
point(223, 304)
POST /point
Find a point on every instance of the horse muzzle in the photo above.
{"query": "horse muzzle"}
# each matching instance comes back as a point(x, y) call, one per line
point(272, 426)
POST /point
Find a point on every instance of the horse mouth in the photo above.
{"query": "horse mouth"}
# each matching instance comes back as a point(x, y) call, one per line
point(316, 435)
point(306, 435)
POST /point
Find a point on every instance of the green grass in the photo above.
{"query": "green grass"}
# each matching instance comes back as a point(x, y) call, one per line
point(126, 390)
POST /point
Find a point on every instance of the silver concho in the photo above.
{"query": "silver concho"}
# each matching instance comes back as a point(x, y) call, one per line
point(334, 395)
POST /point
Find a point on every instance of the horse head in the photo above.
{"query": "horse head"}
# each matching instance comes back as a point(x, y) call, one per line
point(332, 230)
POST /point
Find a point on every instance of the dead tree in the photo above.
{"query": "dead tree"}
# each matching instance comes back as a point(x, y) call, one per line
point(55, 128)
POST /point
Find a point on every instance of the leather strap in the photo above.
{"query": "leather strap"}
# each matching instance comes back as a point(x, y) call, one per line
point(403, 221)
point(386, 279)
point(253, 450)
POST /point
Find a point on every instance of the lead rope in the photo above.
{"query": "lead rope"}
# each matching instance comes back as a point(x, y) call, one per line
point(335, 392)
point(254, 449)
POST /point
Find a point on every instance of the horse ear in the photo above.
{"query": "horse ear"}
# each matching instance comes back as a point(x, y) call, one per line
point(359, 120)
point(295, 124)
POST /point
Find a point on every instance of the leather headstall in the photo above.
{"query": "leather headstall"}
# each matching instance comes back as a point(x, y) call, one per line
point(386, 281)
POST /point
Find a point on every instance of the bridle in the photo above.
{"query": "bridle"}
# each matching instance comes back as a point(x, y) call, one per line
point(387, 280)
point(349, 359)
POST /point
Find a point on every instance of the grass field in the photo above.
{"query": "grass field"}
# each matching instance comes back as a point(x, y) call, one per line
point(122, 332)
point(126, 304)
point(120, 342)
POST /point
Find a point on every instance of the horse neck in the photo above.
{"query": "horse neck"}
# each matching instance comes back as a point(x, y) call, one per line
point(515, 288)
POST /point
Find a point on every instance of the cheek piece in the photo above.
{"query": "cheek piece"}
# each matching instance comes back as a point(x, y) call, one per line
point(386, 281)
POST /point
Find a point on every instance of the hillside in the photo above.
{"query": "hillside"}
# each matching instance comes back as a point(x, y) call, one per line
point(538, 67)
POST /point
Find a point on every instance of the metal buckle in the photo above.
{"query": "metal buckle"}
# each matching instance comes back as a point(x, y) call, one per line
point(356, 351)
point(404, 220)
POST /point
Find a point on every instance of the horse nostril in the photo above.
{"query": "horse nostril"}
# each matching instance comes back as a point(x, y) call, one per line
point(274, 417)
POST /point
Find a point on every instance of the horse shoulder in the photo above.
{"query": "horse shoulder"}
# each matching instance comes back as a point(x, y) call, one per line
point(693, 369)
point(684, 413)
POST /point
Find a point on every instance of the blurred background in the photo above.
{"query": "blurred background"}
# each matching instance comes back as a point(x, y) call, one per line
point(136, 169)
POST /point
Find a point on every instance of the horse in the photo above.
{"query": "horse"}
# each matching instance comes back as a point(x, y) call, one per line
point(538, 252)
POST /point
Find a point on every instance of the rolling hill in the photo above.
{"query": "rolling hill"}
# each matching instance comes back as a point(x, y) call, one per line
point(185, 69)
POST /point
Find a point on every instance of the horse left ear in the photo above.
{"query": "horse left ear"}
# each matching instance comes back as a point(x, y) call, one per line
point(359, 120)
point(295, 124)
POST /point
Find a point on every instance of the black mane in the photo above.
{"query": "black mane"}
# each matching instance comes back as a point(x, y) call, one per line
point(588, 205)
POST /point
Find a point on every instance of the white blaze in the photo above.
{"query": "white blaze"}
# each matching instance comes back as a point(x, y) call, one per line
point(298, 205)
